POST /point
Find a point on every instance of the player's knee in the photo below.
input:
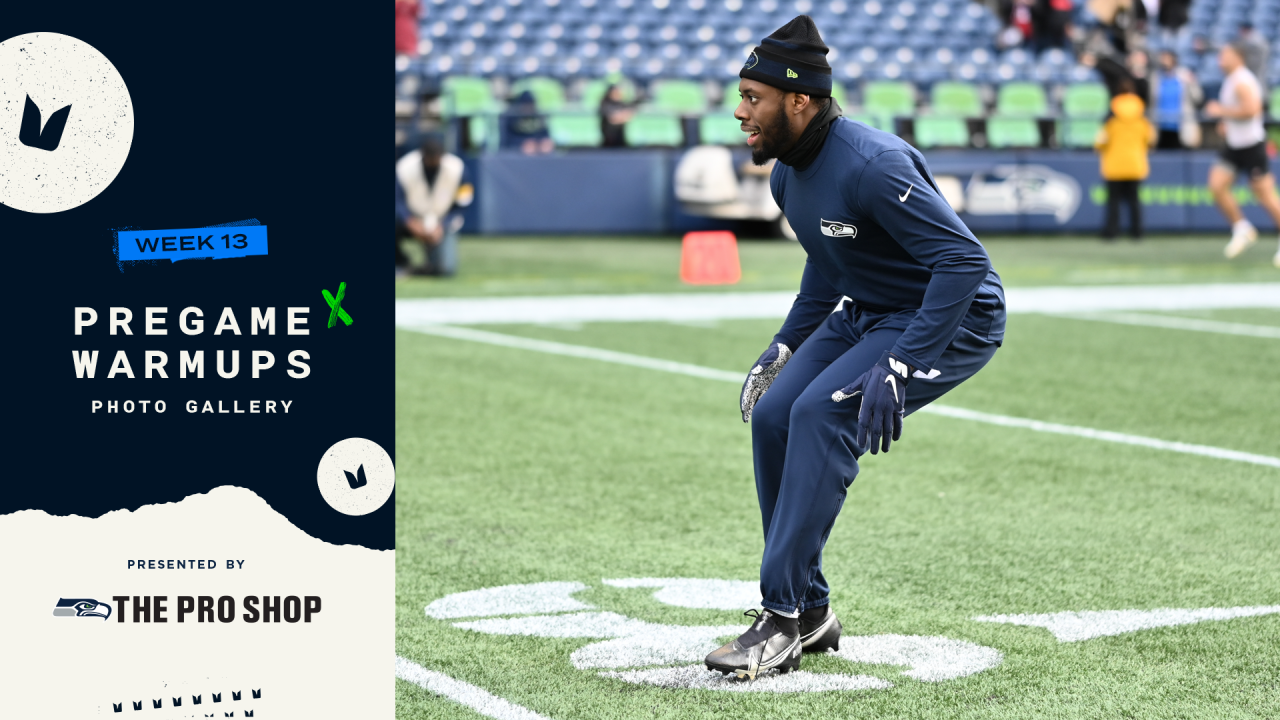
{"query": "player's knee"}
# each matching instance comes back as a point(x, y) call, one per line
point(769, 416)
point(811, 412)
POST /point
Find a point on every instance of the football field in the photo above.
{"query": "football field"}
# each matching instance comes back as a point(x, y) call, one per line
point(1088, 528)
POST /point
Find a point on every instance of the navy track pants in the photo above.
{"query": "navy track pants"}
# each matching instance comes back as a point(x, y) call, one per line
point(805, 444)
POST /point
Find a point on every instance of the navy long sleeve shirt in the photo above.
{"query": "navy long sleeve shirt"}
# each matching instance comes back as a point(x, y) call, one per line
point(877, 230)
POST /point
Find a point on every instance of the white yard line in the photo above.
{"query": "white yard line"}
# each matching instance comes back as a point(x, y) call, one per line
point(694, 307)
point(1180, 323)
point(476, 698)
point(621, 358)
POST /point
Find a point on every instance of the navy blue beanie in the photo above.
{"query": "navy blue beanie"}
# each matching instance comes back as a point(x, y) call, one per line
point(792, 59)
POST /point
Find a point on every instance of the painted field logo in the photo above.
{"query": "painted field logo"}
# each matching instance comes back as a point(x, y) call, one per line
point(81, 607)
point(670, 656)
point(76, 125)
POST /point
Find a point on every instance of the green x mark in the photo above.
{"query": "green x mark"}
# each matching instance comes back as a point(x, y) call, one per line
point(335, 305)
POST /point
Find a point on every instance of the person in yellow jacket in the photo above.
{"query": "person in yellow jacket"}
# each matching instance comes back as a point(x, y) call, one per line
point(1122, 145)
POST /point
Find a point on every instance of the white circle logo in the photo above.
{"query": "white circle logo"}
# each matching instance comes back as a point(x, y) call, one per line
point(356, 476)
point(66, 122)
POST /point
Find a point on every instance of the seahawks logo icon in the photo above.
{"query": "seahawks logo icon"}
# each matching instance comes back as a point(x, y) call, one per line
point(831, 228)
point(751, 62)
point(81, 607)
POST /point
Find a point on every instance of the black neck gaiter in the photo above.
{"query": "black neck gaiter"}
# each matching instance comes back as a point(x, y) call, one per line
point(805, 151)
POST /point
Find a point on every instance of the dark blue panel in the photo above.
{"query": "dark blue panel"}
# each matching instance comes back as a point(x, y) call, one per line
point(618, 191)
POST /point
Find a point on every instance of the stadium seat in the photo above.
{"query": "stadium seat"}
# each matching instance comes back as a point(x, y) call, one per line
point(1022, 99)
point(1012, 132)
point(888, 99)
point(956, 99)
point(683, 97)
point(1085, 100)
point(464, 95)
point(654, 129)
point(575, 129)
point(838, 92)
point(720, 128)
point(1078, 132)
point(875, 121)
point(548, 92)
point(941, 132)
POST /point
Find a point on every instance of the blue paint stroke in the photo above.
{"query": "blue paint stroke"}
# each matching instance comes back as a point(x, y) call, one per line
point(216, 242)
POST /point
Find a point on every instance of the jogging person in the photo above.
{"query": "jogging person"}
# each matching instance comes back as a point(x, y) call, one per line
point(927, 312)
point(1239, 105)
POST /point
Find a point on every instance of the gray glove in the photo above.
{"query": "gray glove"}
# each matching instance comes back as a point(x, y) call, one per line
point(762, 375)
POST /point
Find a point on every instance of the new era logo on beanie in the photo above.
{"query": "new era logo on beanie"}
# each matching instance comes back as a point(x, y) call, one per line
point(793, 59)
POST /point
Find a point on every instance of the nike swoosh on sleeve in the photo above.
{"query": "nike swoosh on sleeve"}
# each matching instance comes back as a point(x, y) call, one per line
point(903, 196)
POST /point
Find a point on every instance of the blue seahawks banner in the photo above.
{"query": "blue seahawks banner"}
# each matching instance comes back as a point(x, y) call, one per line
point(199, 513)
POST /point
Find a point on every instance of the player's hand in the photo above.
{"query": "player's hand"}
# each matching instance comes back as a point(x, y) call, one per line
point(1213, 109)
point(416, 227)
point(884, 394)
point(762, 375)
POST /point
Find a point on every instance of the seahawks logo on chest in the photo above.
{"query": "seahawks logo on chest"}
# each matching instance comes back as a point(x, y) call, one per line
point(832, 228)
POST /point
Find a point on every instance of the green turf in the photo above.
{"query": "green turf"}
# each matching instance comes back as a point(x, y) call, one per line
point(515, 466)
point(551, 266)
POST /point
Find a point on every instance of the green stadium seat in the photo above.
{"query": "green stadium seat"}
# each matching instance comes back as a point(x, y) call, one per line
point(956, 99)
point(875, 121)
point(838, 92)
point(1078, 132)
point(941, 132)
point(1086, 100)
point(467, 96)
point(575, 129)
point(721, 128)
point(730, 99)
point(888, 99)
point(1007, 132)
point(1022, 99)
point(683, 97)
point(649, 128)
point(548, 92)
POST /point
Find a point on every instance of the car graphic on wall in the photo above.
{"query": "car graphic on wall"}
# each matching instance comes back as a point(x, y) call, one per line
point(1021, 190)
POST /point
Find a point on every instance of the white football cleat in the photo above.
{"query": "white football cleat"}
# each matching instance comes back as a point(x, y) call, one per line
point(1243, 235)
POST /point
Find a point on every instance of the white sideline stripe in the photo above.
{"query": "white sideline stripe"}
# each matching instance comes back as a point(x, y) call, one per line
point(1180, 323)
point(476, 698)
point(579, 351)
point(1104, 435)
point(709, 306)
point(620, 358)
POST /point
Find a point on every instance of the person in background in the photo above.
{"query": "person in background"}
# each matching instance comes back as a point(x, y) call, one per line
point(525, 128)
point(407, 27)
point(1176, 95)
point(1122, 145)
point(1239, 106)
point(1256, 51)
point(614, 114)
point(1172, 17)
point(432, 187)
point(1120, 72)
point(1050, 24)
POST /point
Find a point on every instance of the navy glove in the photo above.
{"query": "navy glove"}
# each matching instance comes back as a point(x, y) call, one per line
point(762, 375)
point(884, 394)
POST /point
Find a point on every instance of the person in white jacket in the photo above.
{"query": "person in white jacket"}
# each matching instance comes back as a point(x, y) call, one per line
point(431, 188)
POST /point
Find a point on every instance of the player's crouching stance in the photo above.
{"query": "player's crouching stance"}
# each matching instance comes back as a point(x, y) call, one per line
point(927, 313)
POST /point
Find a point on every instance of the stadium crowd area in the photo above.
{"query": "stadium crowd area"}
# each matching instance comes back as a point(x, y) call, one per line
point(941, 73)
